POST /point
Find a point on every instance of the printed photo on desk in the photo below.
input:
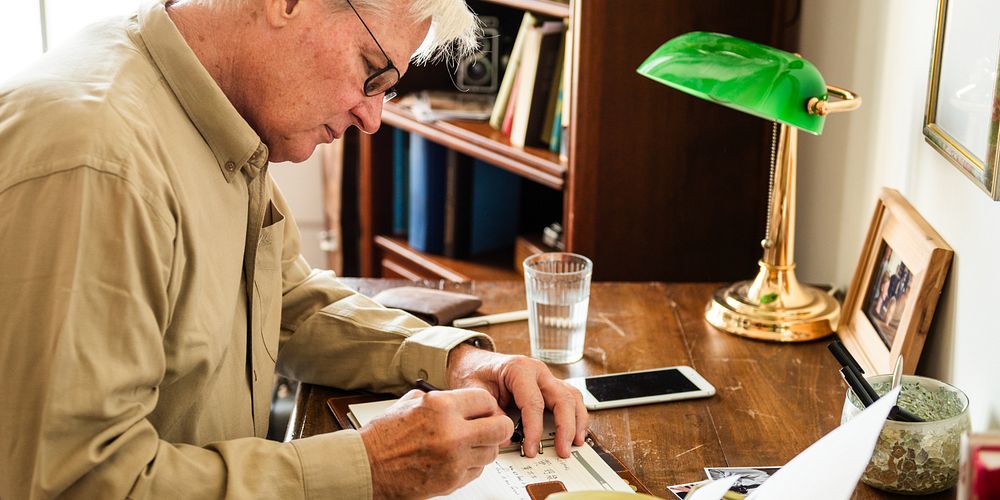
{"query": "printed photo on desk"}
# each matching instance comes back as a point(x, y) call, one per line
point(894, 292)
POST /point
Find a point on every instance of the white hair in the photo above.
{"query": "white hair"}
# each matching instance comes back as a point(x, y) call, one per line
point(453, 35)
point(454, 32)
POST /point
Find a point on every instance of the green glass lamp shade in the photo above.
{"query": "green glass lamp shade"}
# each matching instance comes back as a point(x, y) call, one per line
point(753, 78)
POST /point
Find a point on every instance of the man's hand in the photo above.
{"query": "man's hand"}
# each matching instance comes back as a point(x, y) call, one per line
point(431, 444)
point(529, 384)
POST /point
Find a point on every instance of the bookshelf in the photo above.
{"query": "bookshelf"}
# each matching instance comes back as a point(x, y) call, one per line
point(478, 140)
point(657, 185)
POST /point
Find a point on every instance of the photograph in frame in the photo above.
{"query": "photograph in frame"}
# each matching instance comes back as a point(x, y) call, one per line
point(891, 301)
point(887, 294)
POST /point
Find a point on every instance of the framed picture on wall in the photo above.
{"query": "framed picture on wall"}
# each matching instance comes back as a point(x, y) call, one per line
point(892, 297)
point(961, 118)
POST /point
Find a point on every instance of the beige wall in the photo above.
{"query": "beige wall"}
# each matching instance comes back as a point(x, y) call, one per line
point(881, 49)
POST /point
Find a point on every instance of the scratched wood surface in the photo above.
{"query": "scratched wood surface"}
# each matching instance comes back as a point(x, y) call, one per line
point(772, 401)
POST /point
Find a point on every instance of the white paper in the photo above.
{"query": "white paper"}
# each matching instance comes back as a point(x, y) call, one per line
point(366, 412)
point(506, 477)
point(510, 473)
point(831, 467)
point(714, 489)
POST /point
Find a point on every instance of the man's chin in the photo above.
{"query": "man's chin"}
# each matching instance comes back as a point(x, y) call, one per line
point(297, 154)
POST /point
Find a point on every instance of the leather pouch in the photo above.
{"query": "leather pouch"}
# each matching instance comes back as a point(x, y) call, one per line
point(539, 491)
point(436, 307)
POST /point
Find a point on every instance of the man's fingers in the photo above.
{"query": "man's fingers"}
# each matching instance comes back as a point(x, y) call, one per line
point(412, 394)
point(565, 416)
point(491, 431)
point(470, 403)
point(582, 419)
point(529, 400)
point(481, 456)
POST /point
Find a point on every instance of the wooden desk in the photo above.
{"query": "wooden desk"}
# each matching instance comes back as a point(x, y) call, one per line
point(772, 401)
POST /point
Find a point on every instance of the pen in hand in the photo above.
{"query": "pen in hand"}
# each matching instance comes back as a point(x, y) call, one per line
point(425, 386)
point(516, 437)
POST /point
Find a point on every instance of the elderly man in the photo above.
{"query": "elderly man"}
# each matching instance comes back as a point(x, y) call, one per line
point(151, 279)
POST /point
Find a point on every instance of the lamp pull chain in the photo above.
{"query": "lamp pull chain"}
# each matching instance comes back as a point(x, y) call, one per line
point(766, 242)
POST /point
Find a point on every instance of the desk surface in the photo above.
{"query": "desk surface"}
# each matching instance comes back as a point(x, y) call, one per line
point(772, 400)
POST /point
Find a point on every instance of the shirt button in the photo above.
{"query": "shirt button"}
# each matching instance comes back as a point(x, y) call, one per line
point(230, 166)
point(422, 374)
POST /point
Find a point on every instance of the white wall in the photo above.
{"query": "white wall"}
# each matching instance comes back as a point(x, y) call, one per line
point(881, 49)
point(302, 186)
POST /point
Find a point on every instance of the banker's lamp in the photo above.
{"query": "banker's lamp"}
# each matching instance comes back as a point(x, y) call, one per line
point(787, 89)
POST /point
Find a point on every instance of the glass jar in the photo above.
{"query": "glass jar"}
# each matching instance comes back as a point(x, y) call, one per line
point(916, 457)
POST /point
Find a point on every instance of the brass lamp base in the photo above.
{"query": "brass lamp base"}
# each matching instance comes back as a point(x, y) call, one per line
point(773, 307)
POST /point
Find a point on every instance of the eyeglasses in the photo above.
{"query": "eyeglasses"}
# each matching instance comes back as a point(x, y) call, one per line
point(384, 80)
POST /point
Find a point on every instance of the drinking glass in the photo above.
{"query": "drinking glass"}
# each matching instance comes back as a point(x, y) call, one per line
point(557, 286)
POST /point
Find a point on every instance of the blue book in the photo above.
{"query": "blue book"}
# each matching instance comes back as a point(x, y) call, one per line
point(496, 197)
point(400, 180)
point(427, 195)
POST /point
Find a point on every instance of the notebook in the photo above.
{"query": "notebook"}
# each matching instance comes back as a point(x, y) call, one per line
point(589, 467)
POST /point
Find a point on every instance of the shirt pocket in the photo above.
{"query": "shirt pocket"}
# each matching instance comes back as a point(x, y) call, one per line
point(267, 281)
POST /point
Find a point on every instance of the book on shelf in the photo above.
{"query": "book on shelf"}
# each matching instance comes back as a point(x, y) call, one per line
point(566, 91)
point(536, 72)
point(427, 195)
point(400, 180)
point(553, 110)
point(556, 128)
point(457, 205)
point(508, 117)
point(507, 84)
point(496, 195)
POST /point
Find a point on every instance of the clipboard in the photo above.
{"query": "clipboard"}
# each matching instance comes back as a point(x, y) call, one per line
point(338, 405)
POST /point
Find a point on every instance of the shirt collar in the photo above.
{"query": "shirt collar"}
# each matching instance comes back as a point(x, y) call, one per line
point(235, 144)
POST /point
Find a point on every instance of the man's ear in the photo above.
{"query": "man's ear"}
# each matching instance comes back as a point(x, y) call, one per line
point(280, 12)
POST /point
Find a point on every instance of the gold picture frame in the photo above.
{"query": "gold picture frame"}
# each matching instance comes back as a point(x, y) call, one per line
point(961, 119)
point(895, 289)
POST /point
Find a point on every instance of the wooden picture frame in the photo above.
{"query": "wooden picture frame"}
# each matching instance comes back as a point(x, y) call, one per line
point(895, 289)
point(962, 117)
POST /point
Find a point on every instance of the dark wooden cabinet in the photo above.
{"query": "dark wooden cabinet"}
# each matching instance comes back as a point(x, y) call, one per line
point(658, 185)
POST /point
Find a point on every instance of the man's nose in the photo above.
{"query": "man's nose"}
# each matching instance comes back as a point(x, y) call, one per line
point(369, 114)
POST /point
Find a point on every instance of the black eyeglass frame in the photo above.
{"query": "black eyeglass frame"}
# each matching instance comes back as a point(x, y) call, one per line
point(390, 91)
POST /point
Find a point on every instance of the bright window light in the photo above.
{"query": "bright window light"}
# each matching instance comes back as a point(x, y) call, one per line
point(63, 18)
point(20, 36)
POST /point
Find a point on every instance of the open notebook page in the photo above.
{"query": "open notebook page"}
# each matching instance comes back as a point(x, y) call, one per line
point(507, 476)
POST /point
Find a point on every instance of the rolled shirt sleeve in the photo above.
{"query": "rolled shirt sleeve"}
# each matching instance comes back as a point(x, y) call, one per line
point(352, 342)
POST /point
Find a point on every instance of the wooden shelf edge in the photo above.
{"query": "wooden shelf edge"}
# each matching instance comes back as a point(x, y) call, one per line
point(547, 7)
point(457, 270)
point(546, 172)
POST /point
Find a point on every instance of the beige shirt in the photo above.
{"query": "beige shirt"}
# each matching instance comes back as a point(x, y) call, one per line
point(136, 360)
